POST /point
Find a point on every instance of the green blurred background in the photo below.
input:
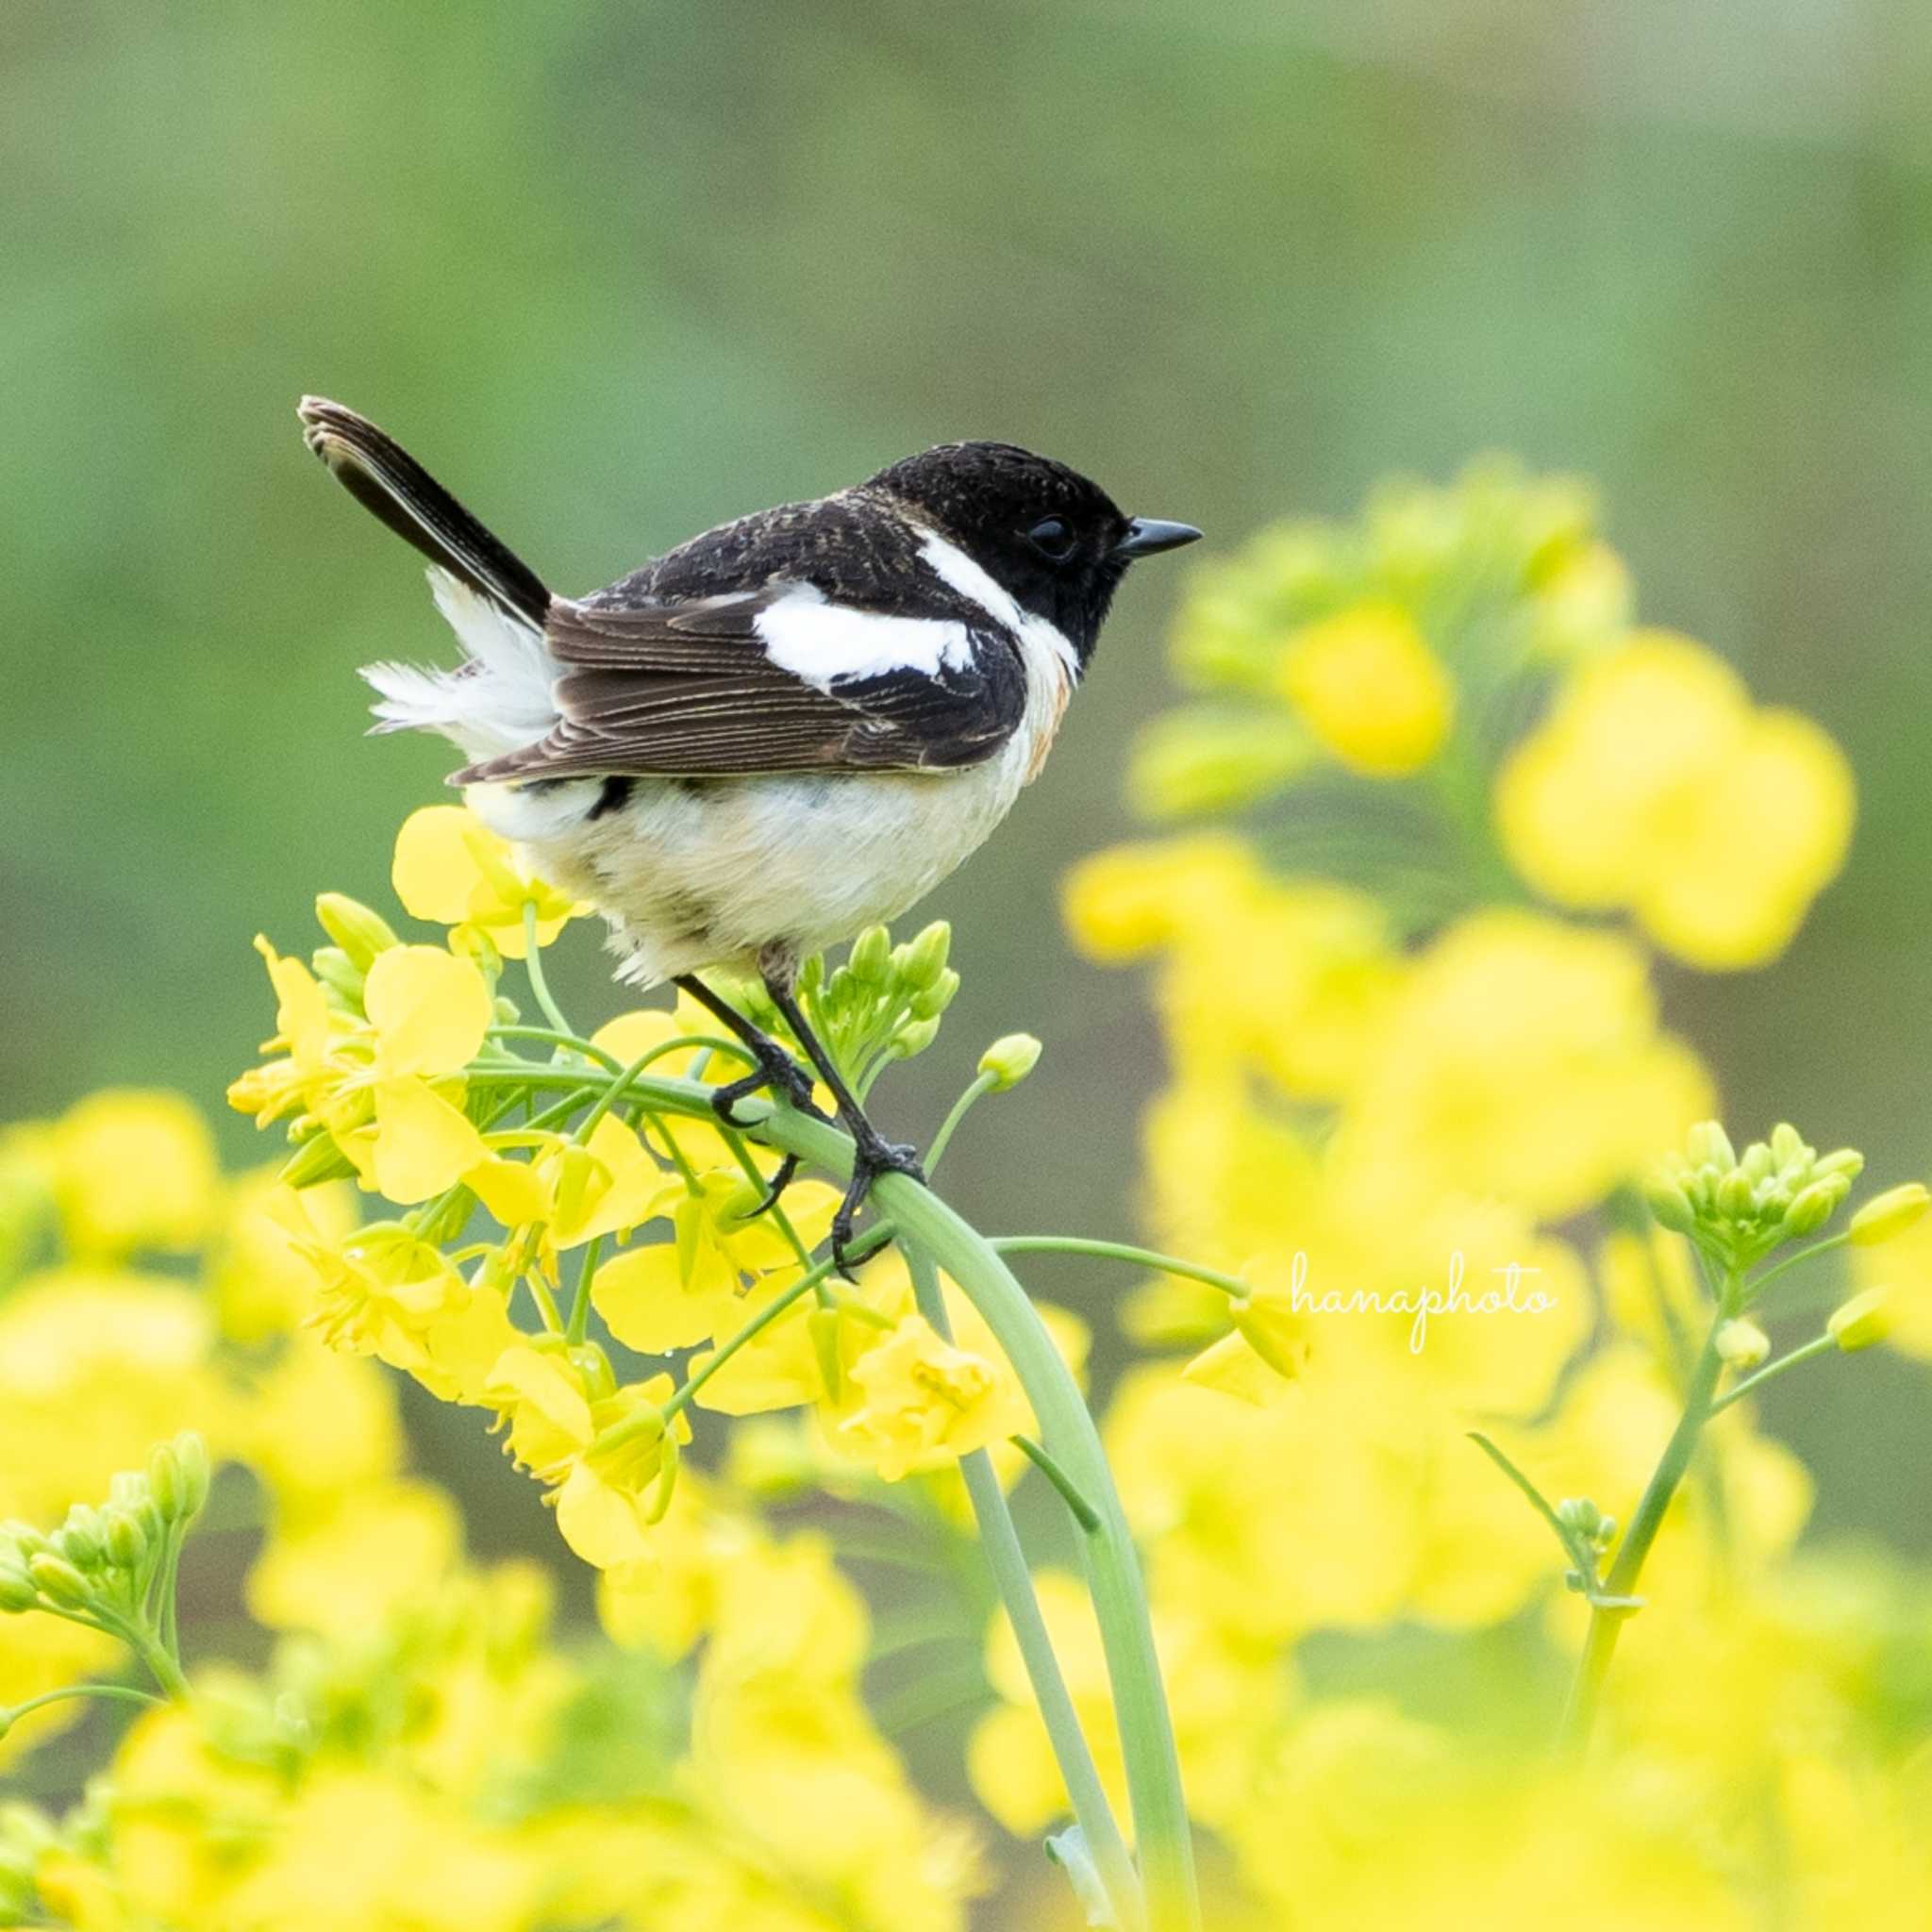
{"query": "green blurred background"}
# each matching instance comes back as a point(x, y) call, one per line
point(617, 271)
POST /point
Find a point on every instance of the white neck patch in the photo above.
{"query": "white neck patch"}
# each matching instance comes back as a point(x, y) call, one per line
point(960, 573)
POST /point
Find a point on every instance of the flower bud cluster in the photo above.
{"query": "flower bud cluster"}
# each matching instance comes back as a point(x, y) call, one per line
point(883, 1004)
point(106, 1553)
point(1739, 1207)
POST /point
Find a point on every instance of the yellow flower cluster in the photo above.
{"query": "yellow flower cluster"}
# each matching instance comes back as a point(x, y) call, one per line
point(1393, 648)
point(1409, 1127)
point(398, 1063)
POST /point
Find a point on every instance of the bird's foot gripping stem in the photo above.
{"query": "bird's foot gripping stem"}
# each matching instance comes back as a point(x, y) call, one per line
point(873, 1156)
point(778, 1073)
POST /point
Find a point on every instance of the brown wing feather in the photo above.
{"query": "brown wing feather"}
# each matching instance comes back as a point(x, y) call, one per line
point(686, 690)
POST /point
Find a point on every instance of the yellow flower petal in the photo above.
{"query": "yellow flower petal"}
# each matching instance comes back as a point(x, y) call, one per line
point(429, 1008)
point(642, 1296)
point(423, 1144)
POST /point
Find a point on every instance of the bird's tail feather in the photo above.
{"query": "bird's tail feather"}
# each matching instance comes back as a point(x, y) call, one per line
point(389, 483)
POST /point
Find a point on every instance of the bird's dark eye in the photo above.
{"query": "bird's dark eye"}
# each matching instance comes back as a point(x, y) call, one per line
point(1051, 537)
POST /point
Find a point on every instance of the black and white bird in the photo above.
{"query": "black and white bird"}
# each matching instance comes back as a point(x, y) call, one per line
point(786, 729)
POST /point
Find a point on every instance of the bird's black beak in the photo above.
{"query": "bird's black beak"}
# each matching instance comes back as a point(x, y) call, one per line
point(1145, 535)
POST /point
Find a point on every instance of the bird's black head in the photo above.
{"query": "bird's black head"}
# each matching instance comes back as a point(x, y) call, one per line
point(1053, 540)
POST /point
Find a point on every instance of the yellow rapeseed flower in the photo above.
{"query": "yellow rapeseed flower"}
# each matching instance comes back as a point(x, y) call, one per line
point(1367, 685)
point(1656, 785)
point(133, 1170)
point(923, 1402)
point(451, 869)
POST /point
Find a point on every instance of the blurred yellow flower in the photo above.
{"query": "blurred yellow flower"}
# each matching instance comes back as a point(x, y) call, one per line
point(1654, 784)
point(133, 1170)
point(1367, 685)
point(451, 869)
point(1522, 1060)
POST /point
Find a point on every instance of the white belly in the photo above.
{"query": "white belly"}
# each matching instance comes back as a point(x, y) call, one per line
point(712, 871)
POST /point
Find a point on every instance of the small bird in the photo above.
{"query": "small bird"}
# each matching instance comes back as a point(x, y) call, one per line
point(787, 728)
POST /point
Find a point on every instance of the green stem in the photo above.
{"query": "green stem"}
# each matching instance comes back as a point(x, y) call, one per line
point(1821, 1345)
point(1600, 1645)
point(984, 1084)
point(579, 1325)
point(1083, 1512)
point(549, 1036)
point(155, 1655)
point(1119, 1251)
point(533, 965)
point(125, 1693)
point(876, 1238)
point(1013, 1578)
point(1753, 1289)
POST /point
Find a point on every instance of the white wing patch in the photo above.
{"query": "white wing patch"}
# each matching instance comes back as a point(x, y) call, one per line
point(958, 571)
point(497, 700)
point(821, 642)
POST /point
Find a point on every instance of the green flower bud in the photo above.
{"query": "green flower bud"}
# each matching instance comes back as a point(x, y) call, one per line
point(57, 1580)
point(1757, 1162)
point(914, 1037)
point(316, 1161)
point(1580, 1515)
point(921, 964)
point(1810, 1210)
point(165, 1482)
point(17, 1592)
point(1709, 1145)
point(1788, 1146)
point(340, 974)
point(1666, 1199)
point(869, 960)
point(360, 933)
point(192, 1453)
point(1862, 1320)
point(79, 1538)
point(1734, 1196)
point(1010, 1059)
point(1743, 1344)
point(1847, 1162)
point(929, 1002)
point(1889, 1213)
point(600, 1378)
point(127, 1545)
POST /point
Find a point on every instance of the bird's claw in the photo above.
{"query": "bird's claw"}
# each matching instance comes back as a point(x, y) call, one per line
point(777, 1072)
point(775, 1190)
point(872, 1158)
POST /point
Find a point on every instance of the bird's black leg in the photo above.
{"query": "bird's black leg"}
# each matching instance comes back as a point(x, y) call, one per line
point(874, 1155)
point(774, 1071)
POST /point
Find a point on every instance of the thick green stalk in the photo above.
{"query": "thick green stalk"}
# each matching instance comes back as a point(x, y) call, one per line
point(1600, 1645)
point(1013, 1578)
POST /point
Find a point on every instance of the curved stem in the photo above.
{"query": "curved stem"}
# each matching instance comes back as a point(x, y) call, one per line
point(533, 965)
point(1013, 1578)
point(548, 1036)
point(1119, 1251)
point(985, 1083)
point(1821, 1345)
point(579, 1323)
point(125, 1693)
point(1753, 1289)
